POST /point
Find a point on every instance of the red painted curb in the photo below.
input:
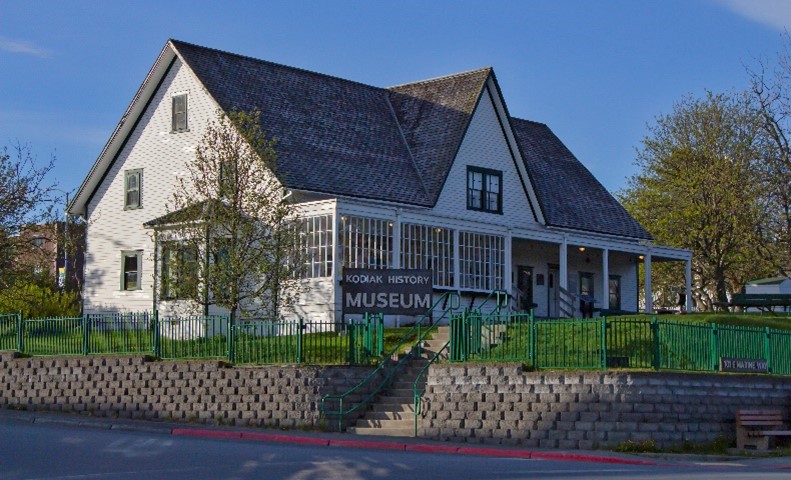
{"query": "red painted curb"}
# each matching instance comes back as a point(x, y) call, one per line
point(379, 445)
point(432, 449)
point(493, 452)
point(189, 432)
point(368, 444)
point(580, 457)
point(269, 437)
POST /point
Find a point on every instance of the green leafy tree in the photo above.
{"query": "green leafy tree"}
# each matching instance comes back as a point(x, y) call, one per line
point(699, 187)
point(771, 89)
point(234, 225)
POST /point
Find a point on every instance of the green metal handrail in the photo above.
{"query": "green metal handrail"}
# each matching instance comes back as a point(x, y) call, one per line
point(418, 395)
point(451, 301)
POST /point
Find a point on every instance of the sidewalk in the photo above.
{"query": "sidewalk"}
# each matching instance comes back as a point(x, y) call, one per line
point(380, 443)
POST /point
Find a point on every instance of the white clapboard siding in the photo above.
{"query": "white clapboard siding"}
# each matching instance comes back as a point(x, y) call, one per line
point(485, 146)
point(162, 155)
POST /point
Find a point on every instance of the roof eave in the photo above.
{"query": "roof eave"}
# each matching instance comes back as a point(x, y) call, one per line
point(78, 205)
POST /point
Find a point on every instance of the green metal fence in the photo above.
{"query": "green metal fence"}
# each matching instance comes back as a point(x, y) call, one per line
point(9, 330)
point(615, 343)
point(213, 336)
point(267, 342)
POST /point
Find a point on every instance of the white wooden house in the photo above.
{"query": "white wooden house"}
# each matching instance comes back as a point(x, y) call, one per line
point(433, 174)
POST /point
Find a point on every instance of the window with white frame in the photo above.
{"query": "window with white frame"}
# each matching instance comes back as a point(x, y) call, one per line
point(431, 248)
point(481, 261)
point(133, 189)
point(131, 261)
point(366, 242)
point(316, 240)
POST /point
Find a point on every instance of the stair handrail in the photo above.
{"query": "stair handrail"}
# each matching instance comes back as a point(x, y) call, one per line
point(565, 299)
point(450, 302)
point(502, 298)
point(418, 395)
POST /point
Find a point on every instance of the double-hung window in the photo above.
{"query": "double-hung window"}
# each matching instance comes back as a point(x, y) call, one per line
point(133, 189)
point(179, 270)
point(180, 113)
point(131, 261)
point(484, 190)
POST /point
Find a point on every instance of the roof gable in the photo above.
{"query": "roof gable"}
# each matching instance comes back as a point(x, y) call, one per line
point(434, 115)
point(569, 194)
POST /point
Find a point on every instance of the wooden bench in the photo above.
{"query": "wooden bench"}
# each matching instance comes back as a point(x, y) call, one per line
point(754, 428)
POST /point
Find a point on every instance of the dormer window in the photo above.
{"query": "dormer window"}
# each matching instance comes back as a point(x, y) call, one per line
point(180, 113)
point(484, 190)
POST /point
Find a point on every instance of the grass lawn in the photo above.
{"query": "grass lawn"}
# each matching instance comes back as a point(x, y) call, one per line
point(779, 320)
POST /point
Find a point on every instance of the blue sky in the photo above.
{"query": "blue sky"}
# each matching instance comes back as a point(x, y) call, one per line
point(595, 71)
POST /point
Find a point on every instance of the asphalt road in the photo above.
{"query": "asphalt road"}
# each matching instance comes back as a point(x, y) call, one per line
point(30, 451)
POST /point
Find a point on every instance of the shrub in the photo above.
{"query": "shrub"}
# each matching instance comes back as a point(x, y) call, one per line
point(36, 301)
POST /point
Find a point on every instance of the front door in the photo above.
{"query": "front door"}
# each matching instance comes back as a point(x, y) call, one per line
point(524, 282)
point(552, 292)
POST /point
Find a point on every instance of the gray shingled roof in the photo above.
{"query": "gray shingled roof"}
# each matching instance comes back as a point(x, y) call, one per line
point(398, 144)
point(434, 115)
point(333, 135)
point(569, 194)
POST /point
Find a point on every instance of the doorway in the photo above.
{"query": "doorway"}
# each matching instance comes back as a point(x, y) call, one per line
point(524, 283)
point(552, 291)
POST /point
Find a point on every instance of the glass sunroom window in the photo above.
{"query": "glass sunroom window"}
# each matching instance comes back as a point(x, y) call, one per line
point(426, 247)
point(481, 261)
point(366, 242)
point(316, 238)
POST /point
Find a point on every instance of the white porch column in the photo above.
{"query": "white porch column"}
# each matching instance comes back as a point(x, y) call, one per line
point(605, 269)
point(649, 296)
point(337, 311)
point(397, 240)
point(563, 281)
point(508, 280)
point(688, 278)
point(396, 263)
point(456, 261)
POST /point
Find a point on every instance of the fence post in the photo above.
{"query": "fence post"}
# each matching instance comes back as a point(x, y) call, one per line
point(300, 327)
point(230, 339)
point(156, 333)
point(380, 336)
point(532, 339)
point(20, 326)
point(85, 335)
point(351, 336)
point(655, 337)
point(714, 348)
point(768, 349)
point(603, 323)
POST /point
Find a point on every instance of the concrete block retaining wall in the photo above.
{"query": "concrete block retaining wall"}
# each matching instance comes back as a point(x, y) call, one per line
point(186, 391)
point(503, 404)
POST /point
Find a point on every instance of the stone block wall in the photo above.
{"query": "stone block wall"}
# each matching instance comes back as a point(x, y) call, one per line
point(503, 404)
point(182, 391)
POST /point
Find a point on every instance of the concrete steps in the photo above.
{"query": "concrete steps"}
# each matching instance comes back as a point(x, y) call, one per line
point(393, 414)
